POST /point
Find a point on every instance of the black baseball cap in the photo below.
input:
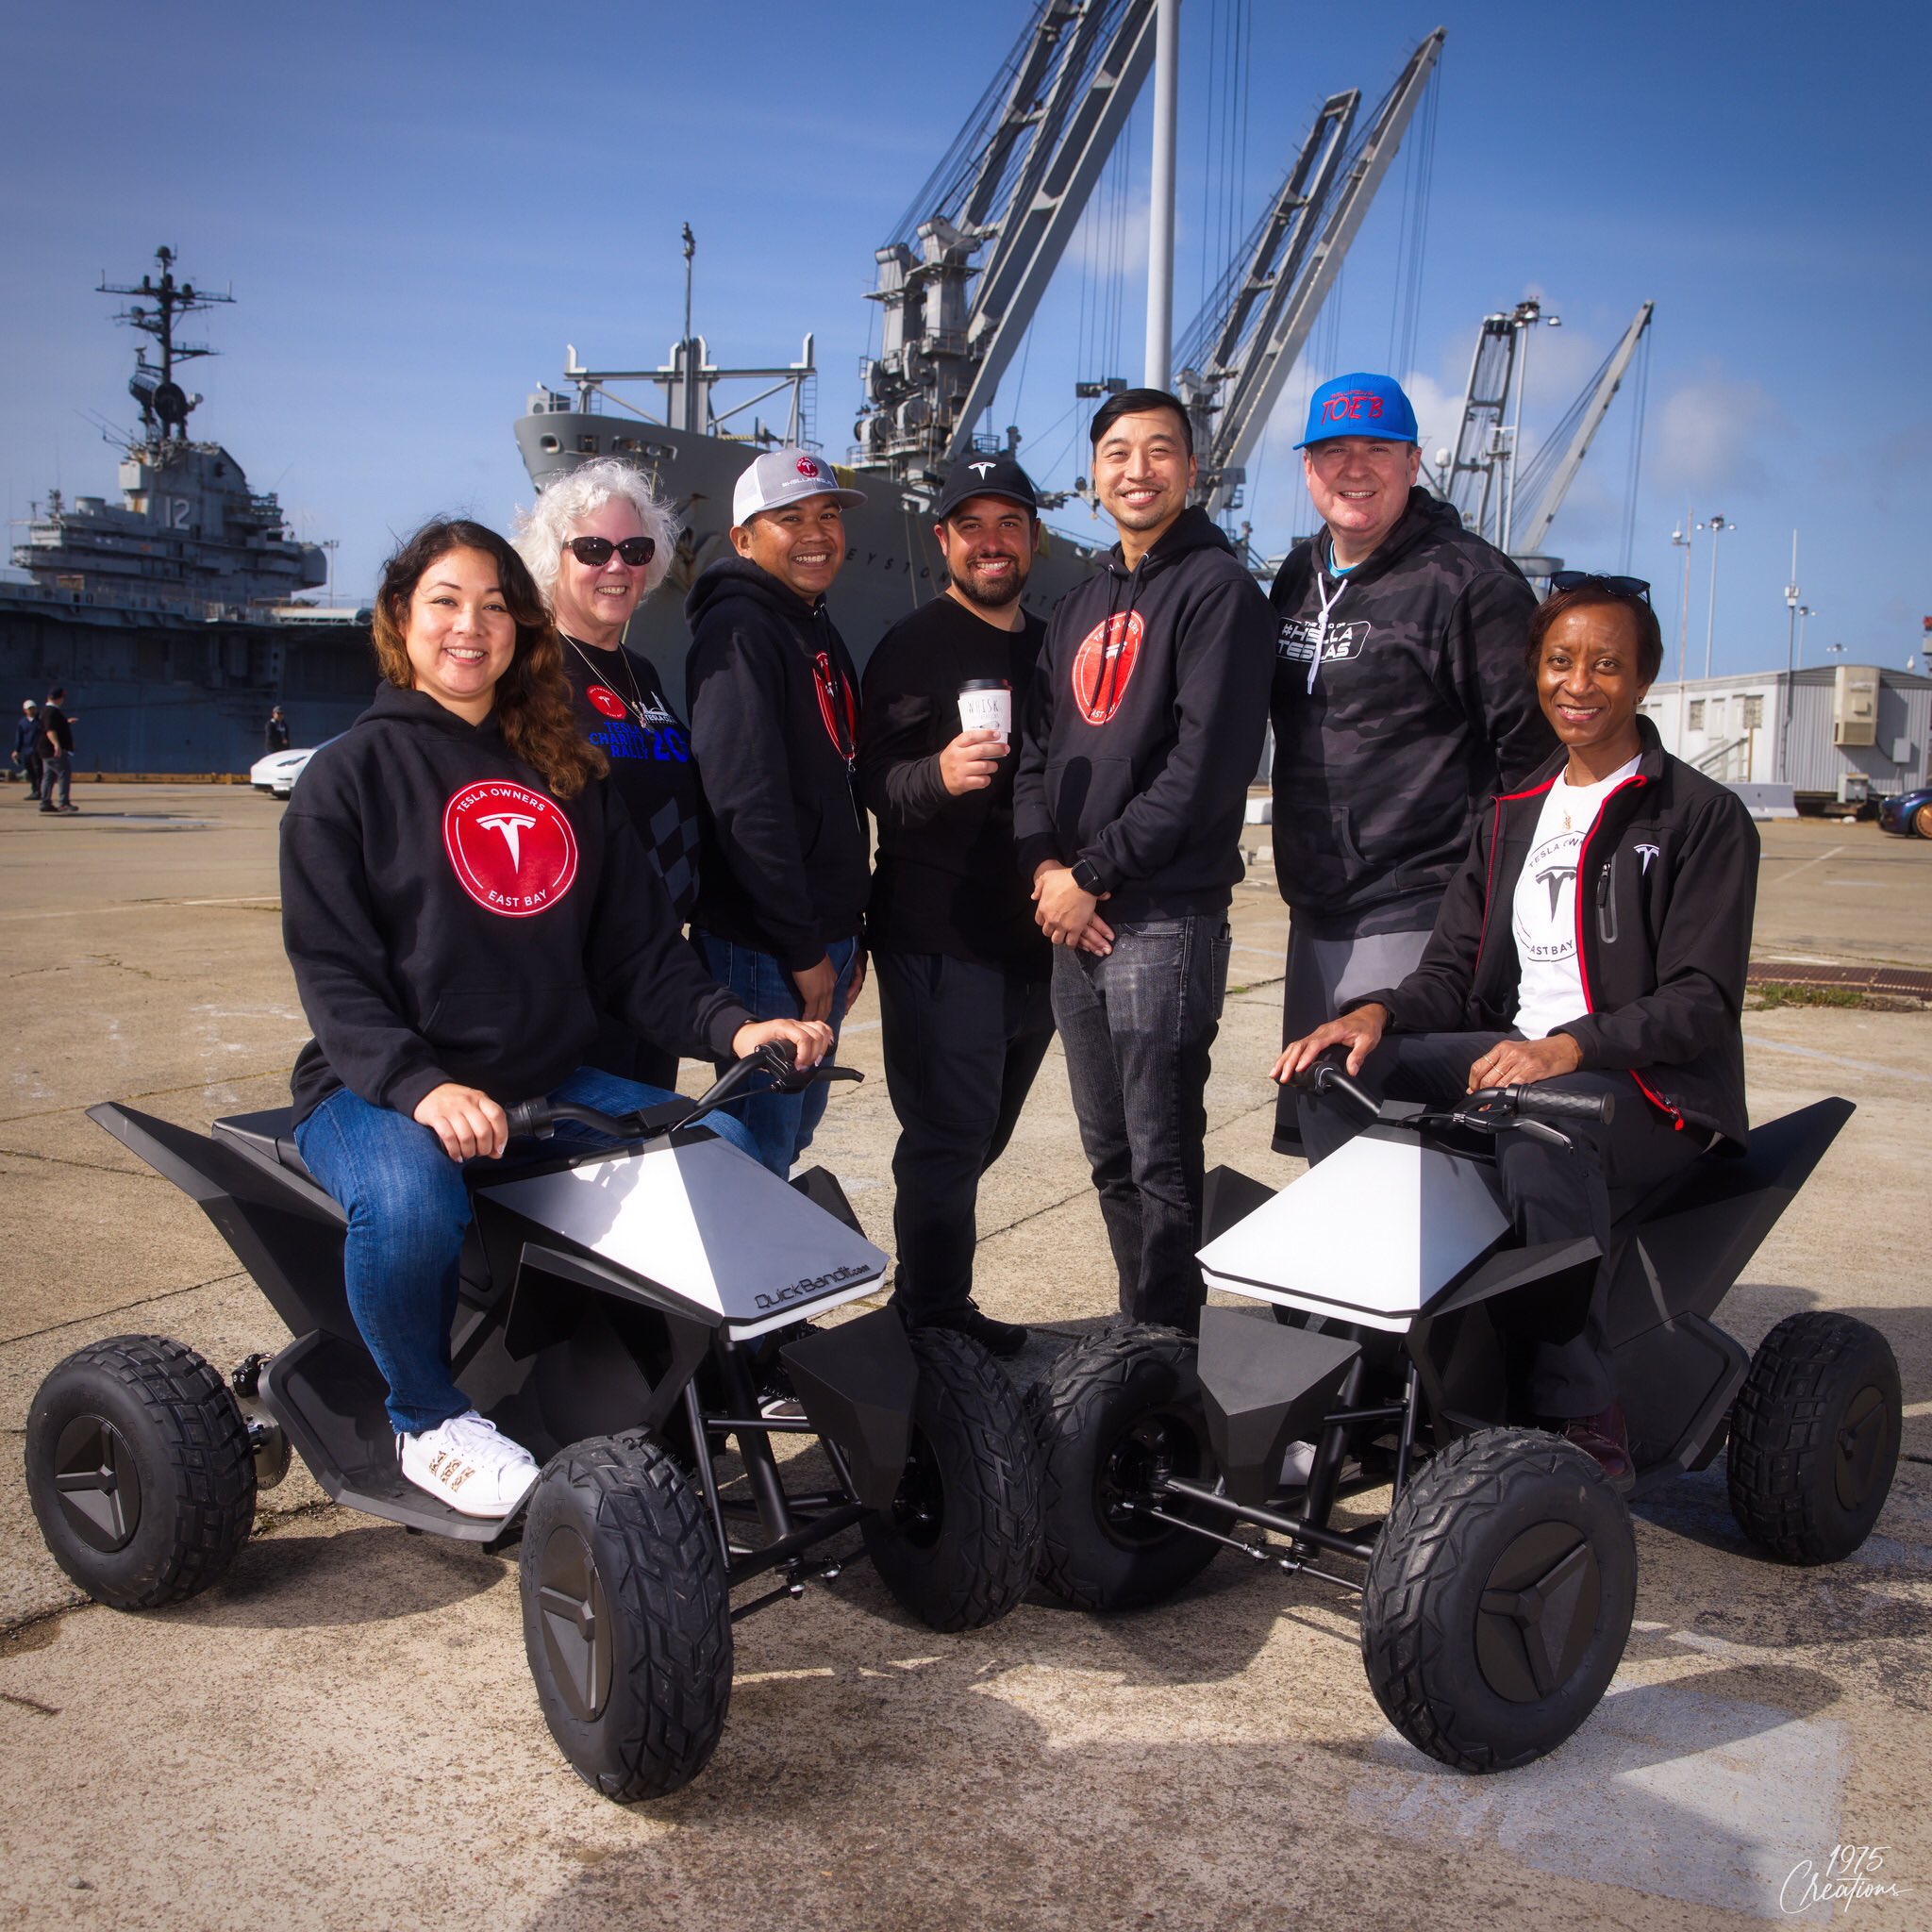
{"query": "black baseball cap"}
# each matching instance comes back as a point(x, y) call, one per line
point(986, 476)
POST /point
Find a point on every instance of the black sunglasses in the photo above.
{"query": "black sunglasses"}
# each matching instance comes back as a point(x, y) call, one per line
point(1621, 587)
point(595, 552)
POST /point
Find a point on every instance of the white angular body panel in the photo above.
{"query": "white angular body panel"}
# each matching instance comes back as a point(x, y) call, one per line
point(709, 1225)
point(1369, 1236)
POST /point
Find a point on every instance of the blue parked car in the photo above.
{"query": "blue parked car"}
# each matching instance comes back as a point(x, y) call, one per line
point(1908, 814)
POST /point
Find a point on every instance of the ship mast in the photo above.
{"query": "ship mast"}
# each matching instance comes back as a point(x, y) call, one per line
point(162, 400)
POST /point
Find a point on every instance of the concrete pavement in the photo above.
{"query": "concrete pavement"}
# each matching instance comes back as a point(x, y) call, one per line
point(343, 1733)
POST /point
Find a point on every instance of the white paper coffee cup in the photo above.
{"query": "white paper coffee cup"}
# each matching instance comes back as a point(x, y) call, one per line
point(987, 705)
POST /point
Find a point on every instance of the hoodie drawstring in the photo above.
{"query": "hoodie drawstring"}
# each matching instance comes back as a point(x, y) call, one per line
point(1328, 604)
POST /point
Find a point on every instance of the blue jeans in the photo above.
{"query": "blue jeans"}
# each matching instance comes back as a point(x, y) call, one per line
point(782, 1124)
point(1137, 1026)
point(408, 1210)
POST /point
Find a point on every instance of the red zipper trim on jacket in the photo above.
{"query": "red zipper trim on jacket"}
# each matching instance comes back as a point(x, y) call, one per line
point(829, 685)
point(1649, 1094)
point(1502, 799)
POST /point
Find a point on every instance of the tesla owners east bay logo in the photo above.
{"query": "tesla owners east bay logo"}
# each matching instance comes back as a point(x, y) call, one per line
point(1549, 936)
point(511, 848)
point(1104, 664)
point(606, 700)
point(1297, 641)
point(1646, 853)
point(807, 468)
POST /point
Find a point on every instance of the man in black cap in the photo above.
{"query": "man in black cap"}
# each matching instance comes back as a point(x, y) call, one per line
point(274, 736)
point(963, 968)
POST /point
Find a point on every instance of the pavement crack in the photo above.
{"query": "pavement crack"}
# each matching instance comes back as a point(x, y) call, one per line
point(167, 1294)
point(132, 1174)
point(32, 1704)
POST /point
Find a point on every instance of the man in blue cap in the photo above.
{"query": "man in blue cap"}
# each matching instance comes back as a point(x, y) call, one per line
point(1402, 702)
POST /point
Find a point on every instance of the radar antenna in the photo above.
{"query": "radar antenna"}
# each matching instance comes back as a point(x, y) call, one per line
point(164, 404)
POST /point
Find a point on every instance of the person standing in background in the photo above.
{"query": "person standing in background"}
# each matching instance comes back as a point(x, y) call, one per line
point(598, 541)
point(963, 968)
point(1400, 706)
point(775, 727)
point(26, 748)
point(275, 735)
point(56, 753)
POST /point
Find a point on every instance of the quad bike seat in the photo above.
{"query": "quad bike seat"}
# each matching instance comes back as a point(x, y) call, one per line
point(270, 1134)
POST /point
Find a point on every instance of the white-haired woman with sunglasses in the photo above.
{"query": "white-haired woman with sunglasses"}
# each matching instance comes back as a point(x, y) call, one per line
point(598, 541)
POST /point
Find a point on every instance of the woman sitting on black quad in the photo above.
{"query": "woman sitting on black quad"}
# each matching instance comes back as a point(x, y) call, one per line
point(1597, 938)
point(459, 892)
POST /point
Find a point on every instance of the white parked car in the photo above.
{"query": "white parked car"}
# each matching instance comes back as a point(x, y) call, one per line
point(276, 773)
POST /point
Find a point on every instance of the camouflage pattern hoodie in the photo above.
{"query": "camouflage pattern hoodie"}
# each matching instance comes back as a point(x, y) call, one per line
point(1419, 708)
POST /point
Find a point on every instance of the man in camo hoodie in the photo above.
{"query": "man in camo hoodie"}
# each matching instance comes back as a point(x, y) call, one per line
point(1400, 703)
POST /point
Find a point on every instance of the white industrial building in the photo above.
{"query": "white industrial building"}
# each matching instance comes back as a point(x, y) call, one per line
point(1855, 730)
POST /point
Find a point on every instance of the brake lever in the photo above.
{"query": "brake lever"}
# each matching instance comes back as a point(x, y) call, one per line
point(1542, 1130)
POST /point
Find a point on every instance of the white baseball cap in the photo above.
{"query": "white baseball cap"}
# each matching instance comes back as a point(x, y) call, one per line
point(787, 475)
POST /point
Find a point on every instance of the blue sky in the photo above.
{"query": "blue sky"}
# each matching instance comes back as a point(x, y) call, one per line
point(418, 207)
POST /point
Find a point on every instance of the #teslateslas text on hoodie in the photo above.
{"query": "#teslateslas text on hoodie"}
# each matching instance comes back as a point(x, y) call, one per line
point(1144, 725)
point(448, 919)
point(1420, 705)
point(774, 724)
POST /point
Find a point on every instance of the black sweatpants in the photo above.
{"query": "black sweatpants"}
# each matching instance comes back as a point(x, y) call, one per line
point(963, 1043)
point(1551, 1193)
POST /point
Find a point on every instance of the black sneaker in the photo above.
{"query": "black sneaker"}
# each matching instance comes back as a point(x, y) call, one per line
point(1002, 1339)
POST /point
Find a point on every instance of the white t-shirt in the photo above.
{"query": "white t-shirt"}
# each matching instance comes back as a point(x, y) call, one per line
point(1550, 991)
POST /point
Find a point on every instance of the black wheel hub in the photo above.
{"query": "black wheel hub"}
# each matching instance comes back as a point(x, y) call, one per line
point(1537, 1612)
point(1859, 1447)
point(577, 1629)
point(919, 1508)
point(1159, 1445)
point(99, 1487)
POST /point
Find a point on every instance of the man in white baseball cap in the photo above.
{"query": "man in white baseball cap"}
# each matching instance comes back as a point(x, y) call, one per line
point(783, 877)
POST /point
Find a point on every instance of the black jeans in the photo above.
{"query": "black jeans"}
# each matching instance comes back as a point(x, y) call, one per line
point(1551, 1193)
point(963, 1043)
point(1137, 1026)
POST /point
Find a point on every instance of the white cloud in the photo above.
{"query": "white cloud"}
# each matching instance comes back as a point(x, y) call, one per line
point(1705, 435)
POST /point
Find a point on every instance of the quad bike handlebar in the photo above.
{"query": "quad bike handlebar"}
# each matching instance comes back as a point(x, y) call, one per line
point(1524, 1106)
point(541, 1118)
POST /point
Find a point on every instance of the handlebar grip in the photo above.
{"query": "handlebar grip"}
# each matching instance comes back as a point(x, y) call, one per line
point(527, 1116)
point(1540, 1102)
point(1328, 1075)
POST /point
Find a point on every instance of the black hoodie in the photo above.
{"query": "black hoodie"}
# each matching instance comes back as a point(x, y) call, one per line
point(773, 724)
point(1666, 881)
point(448, 919)
point(1421, 706)
point(1144, 724)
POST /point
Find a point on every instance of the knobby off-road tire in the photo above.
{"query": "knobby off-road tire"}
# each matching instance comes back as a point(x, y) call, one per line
point(1815, 1437)
point(1499, 1598)
point(626, 1617)
point(1118, 1410)
point(961, 1543)
point(140, 1471)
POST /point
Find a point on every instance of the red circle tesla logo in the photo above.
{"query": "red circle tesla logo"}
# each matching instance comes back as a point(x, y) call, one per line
point(605, 699)
point(806, 467)
point(512, 848)
point(1104, 663)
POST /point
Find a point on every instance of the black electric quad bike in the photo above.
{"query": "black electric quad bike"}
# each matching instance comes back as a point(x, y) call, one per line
point(621, 1312)
point(1496, 1595)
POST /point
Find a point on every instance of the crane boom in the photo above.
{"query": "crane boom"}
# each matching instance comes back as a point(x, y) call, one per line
point(1596, 405)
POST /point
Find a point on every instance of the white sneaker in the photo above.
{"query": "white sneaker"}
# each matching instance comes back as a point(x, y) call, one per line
point(467, 1464)
point(1297, 1465)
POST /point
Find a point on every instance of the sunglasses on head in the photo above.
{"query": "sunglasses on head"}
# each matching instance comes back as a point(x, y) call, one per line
point(595, 552)
point(1578, 579)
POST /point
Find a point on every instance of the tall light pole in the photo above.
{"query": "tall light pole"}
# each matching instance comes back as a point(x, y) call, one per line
point(1523, 322)
point(1167, 27)
point(1789, 694)
point(1803, 611)
point(1681, 539)
point(1717, 527)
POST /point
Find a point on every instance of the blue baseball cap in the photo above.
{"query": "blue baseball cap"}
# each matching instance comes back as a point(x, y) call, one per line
point(1361, 404)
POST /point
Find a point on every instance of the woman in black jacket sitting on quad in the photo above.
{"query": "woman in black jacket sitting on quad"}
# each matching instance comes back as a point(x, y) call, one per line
point(1597, 938)
point(461, 896)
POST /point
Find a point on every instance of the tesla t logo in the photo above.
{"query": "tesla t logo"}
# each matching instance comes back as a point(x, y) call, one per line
point(806, 467)
point(1646, 853)
point(1555, 878)
point(981, 470)
point(511, 849)
point(1104, 664)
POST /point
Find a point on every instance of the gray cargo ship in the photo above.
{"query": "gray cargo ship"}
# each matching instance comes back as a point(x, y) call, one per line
point(173, 617)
